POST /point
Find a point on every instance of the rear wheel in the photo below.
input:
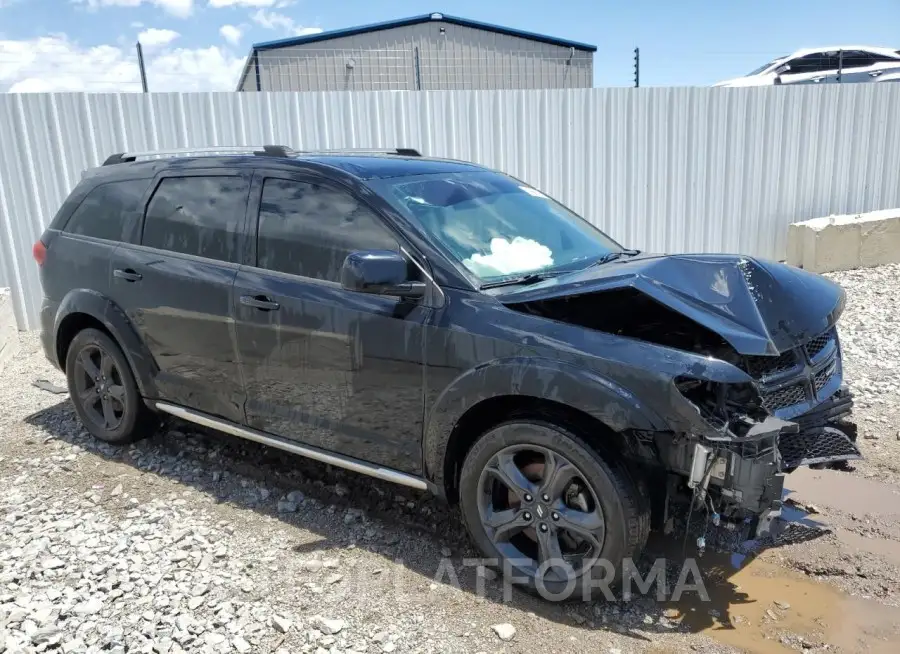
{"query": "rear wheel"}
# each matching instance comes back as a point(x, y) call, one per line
point(103, 389)
point(555, 516)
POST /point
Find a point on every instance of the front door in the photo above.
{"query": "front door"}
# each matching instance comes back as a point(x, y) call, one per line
point(331, 368)
point(814, 68)
point(174, 281)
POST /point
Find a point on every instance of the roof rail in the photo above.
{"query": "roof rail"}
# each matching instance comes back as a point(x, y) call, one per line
point(402, 152)
point(258, 150)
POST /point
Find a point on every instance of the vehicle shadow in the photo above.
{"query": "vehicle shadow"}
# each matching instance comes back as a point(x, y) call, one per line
point(254, 477)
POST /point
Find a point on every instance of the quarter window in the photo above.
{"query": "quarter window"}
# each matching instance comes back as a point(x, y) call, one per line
point(308, 229)
point(202, 216)
point(103, 212)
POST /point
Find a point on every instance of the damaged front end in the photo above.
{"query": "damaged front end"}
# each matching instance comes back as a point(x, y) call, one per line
point(795, 413)
point(730, 444)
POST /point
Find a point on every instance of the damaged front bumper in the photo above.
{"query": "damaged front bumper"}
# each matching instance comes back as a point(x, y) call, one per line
point(743, 478)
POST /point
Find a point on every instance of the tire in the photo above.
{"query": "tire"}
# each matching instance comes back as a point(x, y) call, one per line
point(601, 488)
point(100, 378)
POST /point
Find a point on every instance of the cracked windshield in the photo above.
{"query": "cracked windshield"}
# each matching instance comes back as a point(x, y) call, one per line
point(497, 226)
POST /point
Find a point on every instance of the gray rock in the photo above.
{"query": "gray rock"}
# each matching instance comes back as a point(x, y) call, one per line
point(48, 634)
point(214, 639)
point(90, 607)
point(280, 624)
point(504, 631)
point(328, 626)
point(241, 645)
point(285, 506)
point(313, 565)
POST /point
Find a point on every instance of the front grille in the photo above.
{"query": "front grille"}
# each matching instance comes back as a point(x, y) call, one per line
point(761, 366)
point(784, 397)
point(786, 381)
point(827, 445)
point(825, 434)
point(822, 377)
point(818, 344)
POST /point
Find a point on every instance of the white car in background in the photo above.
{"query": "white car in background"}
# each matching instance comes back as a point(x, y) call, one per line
point(840, 64)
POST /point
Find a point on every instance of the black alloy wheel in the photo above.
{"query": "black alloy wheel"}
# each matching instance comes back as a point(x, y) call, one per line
point(99, 387)
point(540, 513)
point(103, 389)
point(549, 512)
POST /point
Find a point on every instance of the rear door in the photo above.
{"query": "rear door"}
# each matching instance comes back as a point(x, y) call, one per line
point(331, 368)
point(860, 66)
point(175, 279)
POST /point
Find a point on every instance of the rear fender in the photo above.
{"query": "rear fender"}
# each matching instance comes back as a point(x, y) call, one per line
point(100, 307)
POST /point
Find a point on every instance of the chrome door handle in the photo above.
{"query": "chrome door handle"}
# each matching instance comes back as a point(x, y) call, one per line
point(128, 275)
point(818, 79)
point(876, 73)
point(261, 302)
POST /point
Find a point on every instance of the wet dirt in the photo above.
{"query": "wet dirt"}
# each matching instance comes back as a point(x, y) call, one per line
point(763, 607)
point(758, 603)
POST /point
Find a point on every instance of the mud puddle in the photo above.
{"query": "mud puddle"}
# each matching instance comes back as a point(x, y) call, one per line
point(757, 605)
point(763, 607)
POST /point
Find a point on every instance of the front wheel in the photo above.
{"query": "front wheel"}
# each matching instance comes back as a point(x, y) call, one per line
point(554, 516)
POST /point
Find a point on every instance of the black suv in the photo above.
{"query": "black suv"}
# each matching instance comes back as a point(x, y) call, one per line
point(447, 327)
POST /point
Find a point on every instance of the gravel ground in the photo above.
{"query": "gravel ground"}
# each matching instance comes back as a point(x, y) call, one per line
point(870, 337)
point(191, 541)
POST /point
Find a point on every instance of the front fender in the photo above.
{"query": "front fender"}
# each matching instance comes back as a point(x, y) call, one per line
point(98, 306)
point(562, 382)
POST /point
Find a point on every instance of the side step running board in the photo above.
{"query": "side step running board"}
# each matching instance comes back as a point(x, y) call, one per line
point(379, 472)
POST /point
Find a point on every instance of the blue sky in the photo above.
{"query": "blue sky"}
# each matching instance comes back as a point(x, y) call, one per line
point(49, 44)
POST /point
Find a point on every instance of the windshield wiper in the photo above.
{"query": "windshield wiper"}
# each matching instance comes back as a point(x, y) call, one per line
point(530, 278)
point(612, 256)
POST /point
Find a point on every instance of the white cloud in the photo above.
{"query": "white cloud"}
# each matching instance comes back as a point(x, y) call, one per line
point(155, 37)
point(274, 21)
point(218, 4)
point(231, 33)
point(55, 63)
point(179, 8)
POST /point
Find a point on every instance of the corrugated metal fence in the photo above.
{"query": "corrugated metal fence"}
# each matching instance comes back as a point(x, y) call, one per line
point(662, 169)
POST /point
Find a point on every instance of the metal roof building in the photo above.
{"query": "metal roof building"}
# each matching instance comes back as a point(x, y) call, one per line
point(428, 52)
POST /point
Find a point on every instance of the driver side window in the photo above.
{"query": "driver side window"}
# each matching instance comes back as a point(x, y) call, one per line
point(309, 229)
point(813, 63)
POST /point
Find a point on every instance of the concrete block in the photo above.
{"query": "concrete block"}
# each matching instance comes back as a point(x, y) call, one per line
point(9, 335)
point(845, 242)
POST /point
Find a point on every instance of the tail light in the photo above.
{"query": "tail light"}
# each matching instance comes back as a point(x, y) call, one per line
point(39, 252)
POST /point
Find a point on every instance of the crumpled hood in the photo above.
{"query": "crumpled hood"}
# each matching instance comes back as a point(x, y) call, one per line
point(760, 307)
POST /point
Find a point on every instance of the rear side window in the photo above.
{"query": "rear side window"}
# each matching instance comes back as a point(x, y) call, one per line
point(202, 216)
point(855, 59)
point(103, 211)
point(308, 229)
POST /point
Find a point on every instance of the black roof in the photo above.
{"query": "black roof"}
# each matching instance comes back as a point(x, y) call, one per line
point(371, 167)
point(362, 166)
point(415, 20)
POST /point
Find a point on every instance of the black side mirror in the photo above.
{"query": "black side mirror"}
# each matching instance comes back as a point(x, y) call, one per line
point(381, 272)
